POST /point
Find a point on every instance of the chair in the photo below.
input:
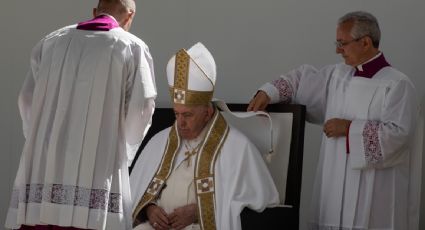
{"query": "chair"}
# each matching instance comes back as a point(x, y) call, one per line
point(286, 166)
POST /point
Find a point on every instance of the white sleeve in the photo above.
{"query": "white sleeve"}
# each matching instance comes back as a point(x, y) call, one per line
point(304, 85)
point(27, 90)
point(385, 142)
point(137, 125)
point(140, 101)
point(25, 102)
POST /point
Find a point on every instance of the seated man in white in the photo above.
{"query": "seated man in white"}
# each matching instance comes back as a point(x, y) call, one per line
point(201, 172)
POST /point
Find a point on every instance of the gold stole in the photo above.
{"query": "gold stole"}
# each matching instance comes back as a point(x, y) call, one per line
point(204, 171)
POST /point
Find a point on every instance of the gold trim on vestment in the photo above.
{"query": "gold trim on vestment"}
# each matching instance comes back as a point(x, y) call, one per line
point(203, 175)
point(163, 172)
point(190, 97)
point(204, 171)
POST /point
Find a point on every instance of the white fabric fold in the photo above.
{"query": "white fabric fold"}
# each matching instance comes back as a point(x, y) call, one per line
point(223, 106)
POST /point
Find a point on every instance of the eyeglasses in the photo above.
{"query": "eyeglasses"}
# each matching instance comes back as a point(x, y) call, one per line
point(340, 44)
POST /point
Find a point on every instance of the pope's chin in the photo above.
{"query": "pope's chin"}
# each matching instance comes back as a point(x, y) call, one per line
point(185, 134)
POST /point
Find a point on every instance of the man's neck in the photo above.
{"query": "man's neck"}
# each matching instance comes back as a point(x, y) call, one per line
point(369, 68)
point(369, 56)
point(106, 14)
point(101, 22)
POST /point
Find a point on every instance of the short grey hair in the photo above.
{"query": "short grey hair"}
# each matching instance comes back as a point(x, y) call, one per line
point(365, 24)
point(110, 5)
point(130, 5)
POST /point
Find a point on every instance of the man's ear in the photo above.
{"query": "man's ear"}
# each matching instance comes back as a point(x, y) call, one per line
point(128, 20)
point(367, 42)
point(210, 111)
point(94, 12)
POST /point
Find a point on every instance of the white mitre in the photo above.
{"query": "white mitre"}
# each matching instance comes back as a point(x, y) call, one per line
point(191, 76)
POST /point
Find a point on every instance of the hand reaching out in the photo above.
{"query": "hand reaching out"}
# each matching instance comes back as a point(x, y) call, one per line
point(259, 102)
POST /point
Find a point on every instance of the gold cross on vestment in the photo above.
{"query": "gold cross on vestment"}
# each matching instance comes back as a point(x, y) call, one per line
point(188, 155)
point(190, 152)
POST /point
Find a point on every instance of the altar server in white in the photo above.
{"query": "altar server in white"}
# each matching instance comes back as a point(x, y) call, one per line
point(86, 105)
point(201, 172)
point(368, 174)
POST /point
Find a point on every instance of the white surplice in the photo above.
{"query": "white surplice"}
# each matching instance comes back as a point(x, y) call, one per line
point(241, 177)
point(375, 186)
point(86, 105)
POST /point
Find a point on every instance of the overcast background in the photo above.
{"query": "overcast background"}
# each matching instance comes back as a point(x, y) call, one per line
point(252, 42)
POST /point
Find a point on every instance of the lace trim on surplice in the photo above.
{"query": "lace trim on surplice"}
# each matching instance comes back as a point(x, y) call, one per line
point(284, 88)
point(68, 195)
point(372, 147)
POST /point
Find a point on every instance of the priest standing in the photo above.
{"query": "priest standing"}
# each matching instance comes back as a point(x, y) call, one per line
point(368, 174)
point(86, 105)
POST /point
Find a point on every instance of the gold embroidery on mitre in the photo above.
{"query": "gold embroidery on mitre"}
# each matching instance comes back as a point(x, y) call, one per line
point(162, 173)
point(181, 75)
point(204, 171)
point(179, 96)
point(190, 97)
point(181, 72)
point(180, 92)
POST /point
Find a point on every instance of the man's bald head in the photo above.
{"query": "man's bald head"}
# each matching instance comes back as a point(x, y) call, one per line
point(116, 6)
point(122, 10)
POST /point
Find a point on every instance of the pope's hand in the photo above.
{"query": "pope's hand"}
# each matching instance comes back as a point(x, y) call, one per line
point(157, 217)
point(259, 102)
point(183, 216)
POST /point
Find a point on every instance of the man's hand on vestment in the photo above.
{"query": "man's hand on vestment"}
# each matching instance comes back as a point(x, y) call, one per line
point(336, 127)
point(157, 217)
point(183, 216)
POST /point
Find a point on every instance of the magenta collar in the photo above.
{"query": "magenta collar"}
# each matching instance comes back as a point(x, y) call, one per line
point(99, 23)
point(370, 68)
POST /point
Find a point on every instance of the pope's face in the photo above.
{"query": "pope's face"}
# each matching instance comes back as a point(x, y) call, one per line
point(191, 119)
point(351, 49)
